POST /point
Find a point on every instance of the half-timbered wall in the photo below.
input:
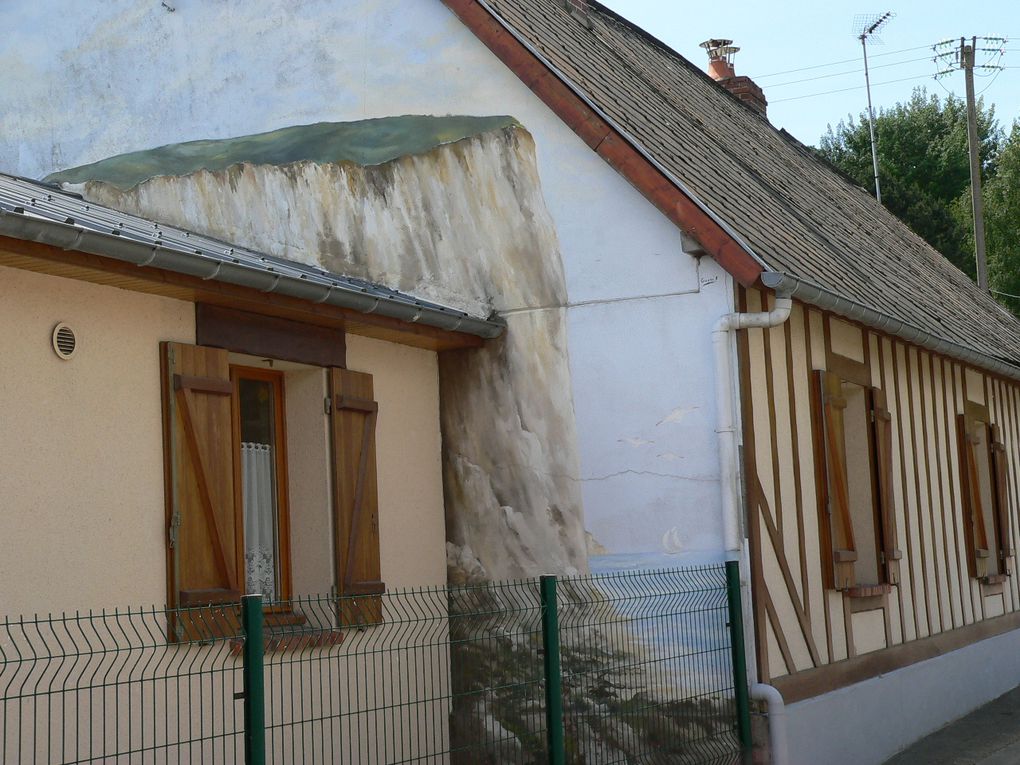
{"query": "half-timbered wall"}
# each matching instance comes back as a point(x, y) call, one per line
point(930, 587)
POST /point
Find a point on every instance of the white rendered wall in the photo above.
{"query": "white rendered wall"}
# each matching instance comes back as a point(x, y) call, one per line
point(851, 726)
point(129, 75)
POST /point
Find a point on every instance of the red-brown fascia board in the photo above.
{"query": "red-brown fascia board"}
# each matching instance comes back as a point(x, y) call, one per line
point(608, 143)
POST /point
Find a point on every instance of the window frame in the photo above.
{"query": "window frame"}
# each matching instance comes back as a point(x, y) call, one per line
point(276, 378)
point(976, 415)
point(848, 370)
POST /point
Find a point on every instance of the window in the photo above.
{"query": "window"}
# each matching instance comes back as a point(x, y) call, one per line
point(857, 513)
point(260, 475)
point(226, 480)
point(985, 500)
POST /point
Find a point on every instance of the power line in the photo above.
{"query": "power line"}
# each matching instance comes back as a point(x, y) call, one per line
point(856, 87)
point(849, 71)
point(836, 63)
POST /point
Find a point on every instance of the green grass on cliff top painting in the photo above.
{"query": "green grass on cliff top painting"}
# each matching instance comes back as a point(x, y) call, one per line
point(365, 142)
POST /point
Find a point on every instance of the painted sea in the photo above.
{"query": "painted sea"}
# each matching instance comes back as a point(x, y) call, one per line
point(673, 611)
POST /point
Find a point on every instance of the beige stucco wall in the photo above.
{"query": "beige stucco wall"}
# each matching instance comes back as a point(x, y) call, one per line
point(81, 452)
point(81, 457)
point(412, 526)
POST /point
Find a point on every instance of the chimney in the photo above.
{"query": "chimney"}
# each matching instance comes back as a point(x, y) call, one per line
point(720, 68)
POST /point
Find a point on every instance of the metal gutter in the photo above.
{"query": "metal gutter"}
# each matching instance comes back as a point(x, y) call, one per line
point(70, 236)
point(825, 299)
point(634, 143)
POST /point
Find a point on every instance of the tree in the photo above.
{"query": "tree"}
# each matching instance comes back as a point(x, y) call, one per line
point(923, 165)
point(1002, 222)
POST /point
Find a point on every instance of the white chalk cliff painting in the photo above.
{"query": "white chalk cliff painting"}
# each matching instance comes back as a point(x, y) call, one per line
point(445, 208)
point(449, 209)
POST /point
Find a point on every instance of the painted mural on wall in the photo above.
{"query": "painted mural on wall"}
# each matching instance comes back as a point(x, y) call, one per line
point(130, 74)
point(450, 209)
point(447, 208)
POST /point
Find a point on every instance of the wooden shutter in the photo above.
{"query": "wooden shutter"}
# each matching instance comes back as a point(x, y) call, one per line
point(882, 424)
point(356, 496)
point(844, 551)
point(202, 533)
point(1000, 492)
point(975, 533)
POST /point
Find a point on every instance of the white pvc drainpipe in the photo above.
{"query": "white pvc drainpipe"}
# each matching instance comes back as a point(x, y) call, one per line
point(777, 721)
point(729, 477)
point(725, 421)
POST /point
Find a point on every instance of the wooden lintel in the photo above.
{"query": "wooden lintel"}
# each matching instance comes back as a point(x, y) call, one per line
point(47, 259)
point(269, 336)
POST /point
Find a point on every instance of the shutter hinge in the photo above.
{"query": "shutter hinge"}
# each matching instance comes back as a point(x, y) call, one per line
point(175, 528)
point(327, 405)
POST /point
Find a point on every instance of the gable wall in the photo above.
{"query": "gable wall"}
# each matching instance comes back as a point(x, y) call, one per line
point(801, 624)
point(129, 75)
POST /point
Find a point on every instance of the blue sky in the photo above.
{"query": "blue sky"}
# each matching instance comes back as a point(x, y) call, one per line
point(778, 37)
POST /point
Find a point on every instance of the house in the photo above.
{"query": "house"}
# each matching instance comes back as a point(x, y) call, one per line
point(234, 441)
point(854, 440)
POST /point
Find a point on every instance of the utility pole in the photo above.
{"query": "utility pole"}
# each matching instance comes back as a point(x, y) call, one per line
point(868, 26)
point(965, 55)
point(967, 63)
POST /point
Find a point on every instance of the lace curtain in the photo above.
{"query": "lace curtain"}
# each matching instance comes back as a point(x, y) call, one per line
point(259, 496)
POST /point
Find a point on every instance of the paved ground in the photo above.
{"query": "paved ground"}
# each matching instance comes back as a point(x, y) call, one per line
point(987, 736)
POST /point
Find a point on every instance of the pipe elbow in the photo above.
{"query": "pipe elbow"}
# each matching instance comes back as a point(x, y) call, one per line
point(771, 696)
point(777, 720)
point(780, 313)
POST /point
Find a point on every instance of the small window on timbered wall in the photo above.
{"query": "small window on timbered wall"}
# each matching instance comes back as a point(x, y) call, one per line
point(983, 481)
point(857, 515)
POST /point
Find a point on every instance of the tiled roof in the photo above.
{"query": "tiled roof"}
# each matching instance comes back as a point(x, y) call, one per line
point(66, 216)
point(796, 213)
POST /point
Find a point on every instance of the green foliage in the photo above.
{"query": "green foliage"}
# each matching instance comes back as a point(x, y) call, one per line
point(923, 165)
point(1002, 222)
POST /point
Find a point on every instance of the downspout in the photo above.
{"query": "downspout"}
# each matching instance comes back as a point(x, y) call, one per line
point(777, 721)
point(726, 428)
point(729, 476)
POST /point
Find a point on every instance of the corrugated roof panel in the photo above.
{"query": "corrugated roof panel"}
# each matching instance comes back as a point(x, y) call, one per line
point(77, 218)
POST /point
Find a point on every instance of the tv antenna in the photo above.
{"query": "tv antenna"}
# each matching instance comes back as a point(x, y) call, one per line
point(868, 25)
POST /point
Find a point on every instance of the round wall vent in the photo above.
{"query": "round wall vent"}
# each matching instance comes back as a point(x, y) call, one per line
point(64, 342)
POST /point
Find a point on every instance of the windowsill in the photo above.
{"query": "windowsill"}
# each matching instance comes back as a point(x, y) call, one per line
point(867, 590)
point(993, 579)
point(293, 641)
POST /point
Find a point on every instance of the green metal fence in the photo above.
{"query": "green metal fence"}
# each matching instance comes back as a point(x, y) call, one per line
point(627, 668)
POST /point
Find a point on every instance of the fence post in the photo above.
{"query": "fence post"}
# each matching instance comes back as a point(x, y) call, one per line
point(740, 688)
point(551, 663)
point(254, 681)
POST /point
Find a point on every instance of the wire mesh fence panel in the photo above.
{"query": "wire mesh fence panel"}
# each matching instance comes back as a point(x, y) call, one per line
point(145, 686)
point(647, 670)
point(432, 675)
point(436, 675)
